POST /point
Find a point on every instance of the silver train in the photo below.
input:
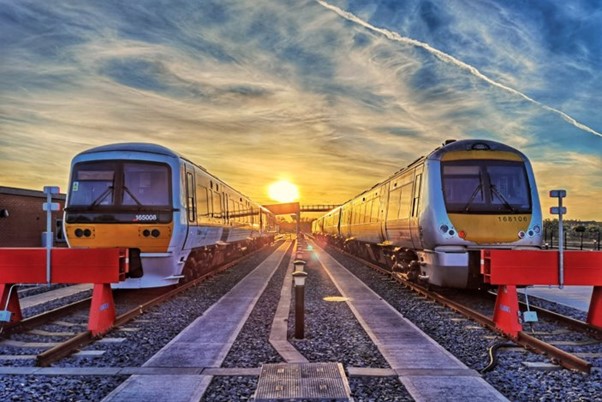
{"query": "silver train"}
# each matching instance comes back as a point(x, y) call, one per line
point(429, 220)
point(177, 219)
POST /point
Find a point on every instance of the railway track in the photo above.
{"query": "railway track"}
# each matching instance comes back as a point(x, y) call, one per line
point(581, 336)
point(131, 303)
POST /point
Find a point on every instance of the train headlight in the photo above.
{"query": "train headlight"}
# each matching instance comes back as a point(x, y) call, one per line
point(536, 229)
point(444, 228)
point(521, 235)
point(155, 233)
point(79, 232)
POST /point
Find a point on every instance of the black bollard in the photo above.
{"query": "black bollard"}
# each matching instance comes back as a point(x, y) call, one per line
point(299, 278)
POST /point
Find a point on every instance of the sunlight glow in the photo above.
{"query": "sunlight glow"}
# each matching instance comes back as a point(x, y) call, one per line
point(283, 191)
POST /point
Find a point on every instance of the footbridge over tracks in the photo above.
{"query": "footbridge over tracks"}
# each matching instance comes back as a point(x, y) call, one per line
point(318, 207)
point(296, 208)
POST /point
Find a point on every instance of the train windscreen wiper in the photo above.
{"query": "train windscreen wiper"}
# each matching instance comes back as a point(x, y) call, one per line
point(127, 190)
point(472, 196)
point(102, 196)
point(478, 188)
point(499, 195)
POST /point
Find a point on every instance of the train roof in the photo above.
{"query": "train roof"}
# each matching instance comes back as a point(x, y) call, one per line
point(447, 146)
point(159, 150)
point(472, 144)
point(133, 147)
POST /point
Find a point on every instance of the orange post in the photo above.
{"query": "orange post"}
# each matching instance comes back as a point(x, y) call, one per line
point(506, 314)
point(102, 309)
point(594, 315)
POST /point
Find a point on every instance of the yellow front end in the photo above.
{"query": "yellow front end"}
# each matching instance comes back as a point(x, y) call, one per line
point(149, 238)
point(490, 229)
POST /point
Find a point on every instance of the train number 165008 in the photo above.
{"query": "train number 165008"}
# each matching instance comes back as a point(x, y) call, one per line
point(145, 217)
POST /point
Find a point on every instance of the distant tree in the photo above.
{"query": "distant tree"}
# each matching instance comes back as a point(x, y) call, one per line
point(594, 231)
point(580, 229)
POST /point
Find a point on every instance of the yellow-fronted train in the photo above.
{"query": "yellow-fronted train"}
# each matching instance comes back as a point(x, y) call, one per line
point(429, 221)
point(177, 219)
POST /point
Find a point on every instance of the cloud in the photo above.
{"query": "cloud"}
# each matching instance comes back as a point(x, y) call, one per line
point(255, 90)
point(460, 64)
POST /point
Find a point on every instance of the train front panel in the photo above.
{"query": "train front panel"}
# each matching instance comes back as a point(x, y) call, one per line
point(479, 194)
point(132, 199)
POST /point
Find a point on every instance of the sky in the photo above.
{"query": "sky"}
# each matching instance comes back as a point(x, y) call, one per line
point(333, 96)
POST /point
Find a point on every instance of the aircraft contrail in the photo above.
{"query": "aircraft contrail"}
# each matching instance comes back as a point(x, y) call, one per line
point(450, 59)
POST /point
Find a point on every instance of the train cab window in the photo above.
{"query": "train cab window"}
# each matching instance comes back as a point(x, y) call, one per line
point(462, 184)
point(145, 184)
point(93, 184)
point(508, 185)
point(485, 186)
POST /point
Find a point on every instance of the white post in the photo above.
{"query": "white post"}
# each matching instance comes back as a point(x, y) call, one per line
point(559, 210)
point(49, 206)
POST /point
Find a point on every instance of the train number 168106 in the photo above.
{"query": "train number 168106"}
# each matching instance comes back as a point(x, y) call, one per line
point(512, 218)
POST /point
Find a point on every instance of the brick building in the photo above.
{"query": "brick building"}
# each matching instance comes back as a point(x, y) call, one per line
point(22, 220)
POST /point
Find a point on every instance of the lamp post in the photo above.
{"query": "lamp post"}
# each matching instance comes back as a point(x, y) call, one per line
point(299, 278)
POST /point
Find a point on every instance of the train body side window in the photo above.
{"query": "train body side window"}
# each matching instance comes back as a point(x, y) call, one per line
point(405, 201)
point(217, 205)
point(394, 202)
point(202, 202)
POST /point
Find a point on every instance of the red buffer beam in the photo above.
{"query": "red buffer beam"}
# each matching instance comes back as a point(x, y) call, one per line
point(511, 268)
point(98, 266)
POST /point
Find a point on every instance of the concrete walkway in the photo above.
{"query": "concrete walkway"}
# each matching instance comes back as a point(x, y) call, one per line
point(204, 343)
point(278, 335)
point(429, 372)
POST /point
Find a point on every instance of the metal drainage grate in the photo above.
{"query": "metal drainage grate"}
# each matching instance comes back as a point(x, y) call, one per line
point(302, 381)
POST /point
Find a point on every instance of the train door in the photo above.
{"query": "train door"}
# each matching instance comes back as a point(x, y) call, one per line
point(387, 210)
point(190, 204)
point(415, 209)
point(381, 201)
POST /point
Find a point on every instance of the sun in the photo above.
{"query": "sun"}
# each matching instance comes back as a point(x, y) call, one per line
point(283, 191)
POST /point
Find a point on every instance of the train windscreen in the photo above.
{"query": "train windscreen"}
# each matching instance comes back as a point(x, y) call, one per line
point(486, 186)
point(117, 191)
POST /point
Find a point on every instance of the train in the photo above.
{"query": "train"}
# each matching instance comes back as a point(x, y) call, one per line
point(429, 220)
point(177, 220)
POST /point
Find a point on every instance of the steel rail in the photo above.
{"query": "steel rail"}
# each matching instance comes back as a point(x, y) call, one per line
point(42, 318)
point(589, 329)
point(523, 339)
